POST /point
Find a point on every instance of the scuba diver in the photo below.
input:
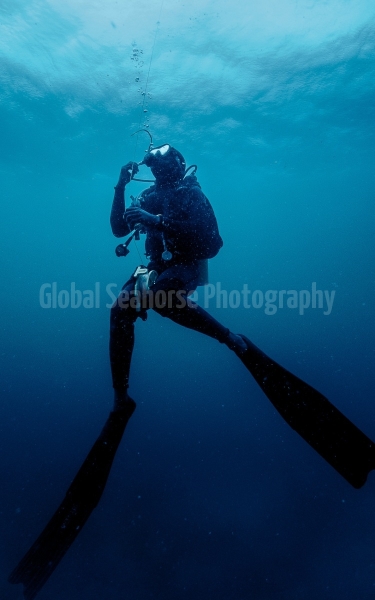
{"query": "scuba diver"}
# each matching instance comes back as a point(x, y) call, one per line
point(182, 233)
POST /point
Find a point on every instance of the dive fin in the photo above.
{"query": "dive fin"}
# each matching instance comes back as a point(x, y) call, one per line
point(80, 500)
point(345, 447)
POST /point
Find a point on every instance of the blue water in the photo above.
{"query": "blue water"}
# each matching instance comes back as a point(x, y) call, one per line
point(211, 494)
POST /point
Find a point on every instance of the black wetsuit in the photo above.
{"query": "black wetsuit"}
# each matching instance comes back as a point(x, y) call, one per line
point(185, 231)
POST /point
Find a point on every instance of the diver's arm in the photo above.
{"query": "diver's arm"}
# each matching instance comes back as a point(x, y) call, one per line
point(118, 222)
point(119, 225)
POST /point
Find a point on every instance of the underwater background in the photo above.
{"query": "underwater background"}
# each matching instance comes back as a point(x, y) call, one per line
point(211, 494)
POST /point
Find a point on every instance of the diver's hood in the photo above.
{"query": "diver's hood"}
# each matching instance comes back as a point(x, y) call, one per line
point(166, 163)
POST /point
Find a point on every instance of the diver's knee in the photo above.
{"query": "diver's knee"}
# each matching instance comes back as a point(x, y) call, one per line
point(122, 303)
point(121, 316)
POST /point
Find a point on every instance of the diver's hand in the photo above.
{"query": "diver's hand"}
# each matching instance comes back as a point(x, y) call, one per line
point(127, 173)
point(134, 215)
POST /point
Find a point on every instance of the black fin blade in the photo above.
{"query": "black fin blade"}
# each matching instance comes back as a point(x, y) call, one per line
point(80, 500)
point(345, 447)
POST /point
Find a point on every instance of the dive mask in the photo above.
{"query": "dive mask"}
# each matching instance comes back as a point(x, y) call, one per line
point(156, 154)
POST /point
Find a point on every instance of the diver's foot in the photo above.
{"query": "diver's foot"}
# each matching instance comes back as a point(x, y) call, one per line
point(236, 343)
point(123, 402)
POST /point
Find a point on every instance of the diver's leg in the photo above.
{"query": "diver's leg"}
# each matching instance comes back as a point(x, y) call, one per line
point(121, 346)
point(193, 316)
